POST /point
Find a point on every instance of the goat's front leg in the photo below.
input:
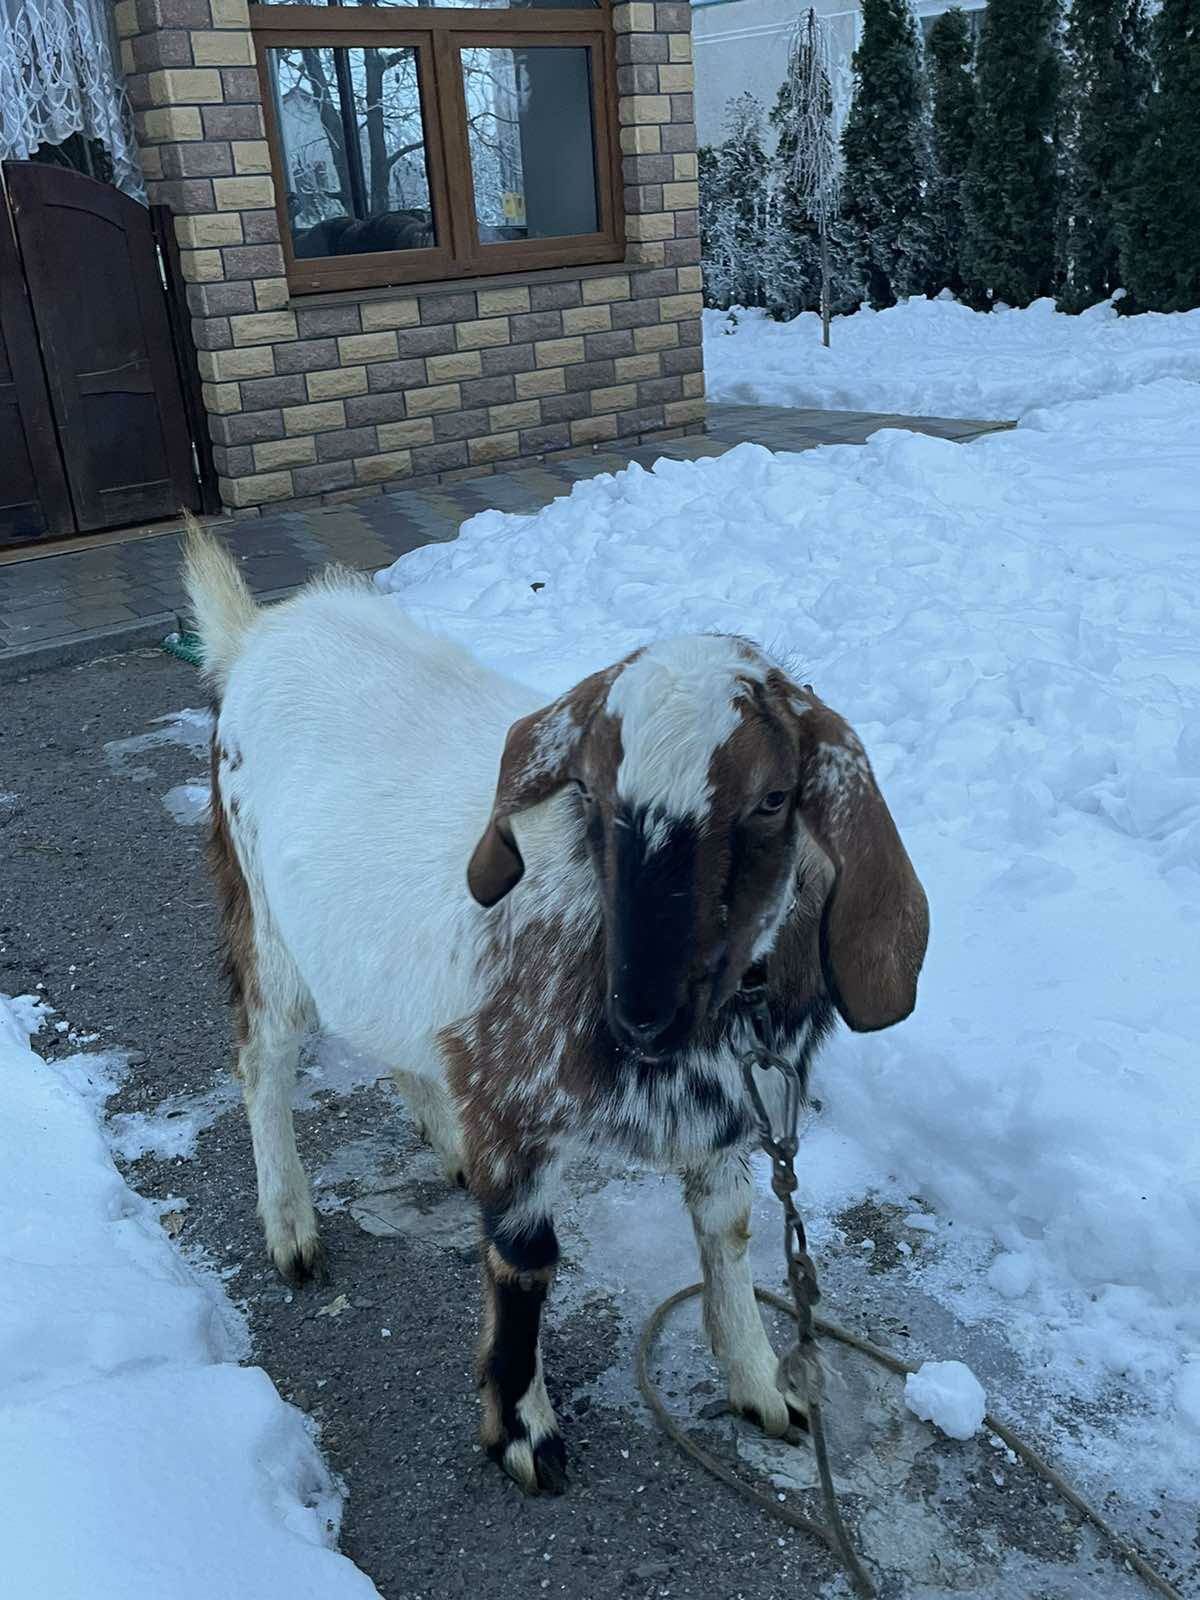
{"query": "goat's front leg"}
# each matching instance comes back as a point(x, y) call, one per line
point(718, 1196)
point(520, 1252)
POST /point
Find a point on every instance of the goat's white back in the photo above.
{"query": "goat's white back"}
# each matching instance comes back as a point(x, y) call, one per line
point(369, 750)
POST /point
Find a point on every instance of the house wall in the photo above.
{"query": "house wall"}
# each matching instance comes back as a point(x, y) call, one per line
point(332, 397)
point(742, 48)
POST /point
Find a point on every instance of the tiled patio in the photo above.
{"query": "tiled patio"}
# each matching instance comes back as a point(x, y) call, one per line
point(120, 592)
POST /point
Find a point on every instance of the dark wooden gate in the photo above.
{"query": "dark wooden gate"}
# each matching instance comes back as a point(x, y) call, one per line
point(82, 266)
point(34, 499)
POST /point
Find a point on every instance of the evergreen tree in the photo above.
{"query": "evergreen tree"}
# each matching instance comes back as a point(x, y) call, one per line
point(885, 146)
point(1160, 237)
point(1108, 84)
point(734, 209)
point(951, 66)
point(1009, 196)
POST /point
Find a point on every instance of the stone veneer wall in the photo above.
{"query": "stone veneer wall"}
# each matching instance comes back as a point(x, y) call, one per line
point(317, 397)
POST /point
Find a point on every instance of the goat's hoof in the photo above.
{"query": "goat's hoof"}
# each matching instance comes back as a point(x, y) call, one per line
point(454, 1163)
point(300, 1262)
point(791, 1431)
point(456, 1172)
point(780, 1416)
point(539, 1468)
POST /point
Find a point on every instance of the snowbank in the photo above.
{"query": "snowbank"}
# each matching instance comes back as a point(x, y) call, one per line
point(938, 358)
point(1014, 628)
point(137, 1460)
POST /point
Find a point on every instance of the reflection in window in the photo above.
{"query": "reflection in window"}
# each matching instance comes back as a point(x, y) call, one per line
point(529, 120)
point(353, 150)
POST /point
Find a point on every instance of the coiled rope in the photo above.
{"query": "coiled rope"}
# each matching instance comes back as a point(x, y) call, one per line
point(828, 1532)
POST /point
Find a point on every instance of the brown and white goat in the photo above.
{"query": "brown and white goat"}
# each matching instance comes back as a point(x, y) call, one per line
point(541, 917)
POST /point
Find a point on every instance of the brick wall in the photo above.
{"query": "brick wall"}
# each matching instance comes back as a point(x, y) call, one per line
point(314, 397)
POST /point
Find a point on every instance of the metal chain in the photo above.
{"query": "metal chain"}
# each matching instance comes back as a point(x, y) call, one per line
point(800, 1368)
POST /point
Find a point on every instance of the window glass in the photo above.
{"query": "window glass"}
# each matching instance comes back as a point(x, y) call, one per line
point(353, 151)
point(529, 128)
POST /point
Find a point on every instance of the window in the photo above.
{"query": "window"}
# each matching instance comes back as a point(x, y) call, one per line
point(421, 142)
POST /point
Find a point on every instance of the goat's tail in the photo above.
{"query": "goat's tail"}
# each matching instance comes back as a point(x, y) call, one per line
point(221, 604)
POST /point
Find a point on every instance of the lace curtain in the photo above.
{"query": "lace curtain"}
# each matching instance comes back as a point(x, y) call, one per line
point(59, 76)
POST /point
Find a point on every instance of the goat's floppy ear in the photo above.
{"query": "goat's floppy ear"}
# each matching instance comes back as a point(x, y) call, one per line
point(875, 925)
point(536, 764)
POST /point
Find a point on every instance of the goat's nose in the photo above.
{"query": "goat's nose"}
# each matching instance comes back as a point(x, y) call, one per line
point(643, 1029)
point(648, 1031)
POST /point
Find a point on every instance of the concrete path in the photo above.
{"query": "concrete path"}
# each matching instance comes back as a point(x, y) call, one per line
point(116, 592)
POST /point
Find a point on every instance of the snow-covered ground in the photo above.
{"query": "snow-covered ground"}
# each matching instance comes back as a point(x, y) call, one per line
point(1013, 626)
point(939, 358)
point(138, 1460)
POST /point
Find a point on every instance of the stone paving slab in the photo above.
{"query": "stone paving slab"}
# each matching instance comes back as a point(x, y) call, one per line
point(90, 599)
point(797, 428)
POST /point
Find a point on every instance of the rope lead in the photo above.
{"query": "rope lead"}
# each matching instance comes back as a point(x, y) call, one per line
point(833, 1533)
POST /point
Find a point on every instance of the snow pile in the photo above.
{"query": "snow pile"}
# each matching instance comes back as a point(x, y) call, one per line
point(1013, 626)
point(939, 358)
point(137, 1460)
point(949, 1395)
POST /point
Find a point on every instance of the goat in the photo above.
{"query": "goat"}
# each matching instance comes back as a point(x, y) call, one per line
point(541, 917)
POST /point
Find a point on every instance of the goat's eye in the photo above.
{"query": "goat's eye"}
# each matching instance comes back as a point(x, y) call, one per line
point(772, 803)
point(585, 794)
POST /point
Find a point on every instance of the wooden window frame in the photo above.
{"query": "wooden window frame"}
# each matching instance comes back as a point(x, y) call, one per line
point(438, 34)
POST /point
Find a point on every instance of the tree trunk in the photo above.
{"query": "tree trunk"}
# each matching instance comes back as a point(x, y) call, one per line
point(826, 295)
point(331, 122)
point(380, 176)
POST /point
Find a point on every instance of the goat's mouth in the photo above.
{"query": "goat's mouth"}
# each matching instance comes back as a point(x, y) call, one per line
point(659, 1039)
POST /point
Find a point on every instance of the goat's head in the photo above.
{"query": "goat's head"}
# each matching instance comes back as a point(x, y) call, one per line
point(705, 776)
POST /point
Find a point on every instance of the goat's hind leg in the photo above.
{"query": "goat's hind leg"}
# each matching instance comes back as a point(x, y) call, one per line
point(272, 1007)
point(432, 1110)
point(267, 1065)
point(718, 1196)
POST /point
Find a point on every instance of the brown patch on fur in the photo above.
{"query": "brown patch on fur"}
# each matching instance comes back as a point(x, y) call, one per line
point(491, 1422)
point(525, 1279)
point(540, 754)
point(514, 1067)
point(233, 909)
point(738, 1234)
point(863, 925)
point(875, 926)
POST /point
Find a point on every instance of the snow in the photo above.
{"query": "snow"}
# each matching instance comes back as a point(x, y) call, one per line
point(939, 358)
point(137, 1459)
point(949, 1395)
point(1013, 626)
point(190, 727)
point(187, 803)
point(1187, 1394)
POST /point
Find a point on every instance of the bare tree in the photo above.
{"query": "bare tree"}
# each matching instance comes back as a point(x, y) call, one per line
point(815, 176)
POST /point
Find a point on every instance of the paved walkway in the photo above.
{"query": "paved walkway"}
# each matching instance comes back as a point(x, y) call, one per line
point(120, 592)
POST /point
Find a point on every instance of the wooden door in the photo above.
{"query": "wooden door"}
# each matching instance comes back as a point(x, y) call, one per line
point(96, 290)
point(34, 502)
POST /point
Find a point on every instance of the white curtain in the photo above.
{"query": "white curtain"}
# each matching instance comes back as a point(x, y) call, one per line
point(59, 76)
